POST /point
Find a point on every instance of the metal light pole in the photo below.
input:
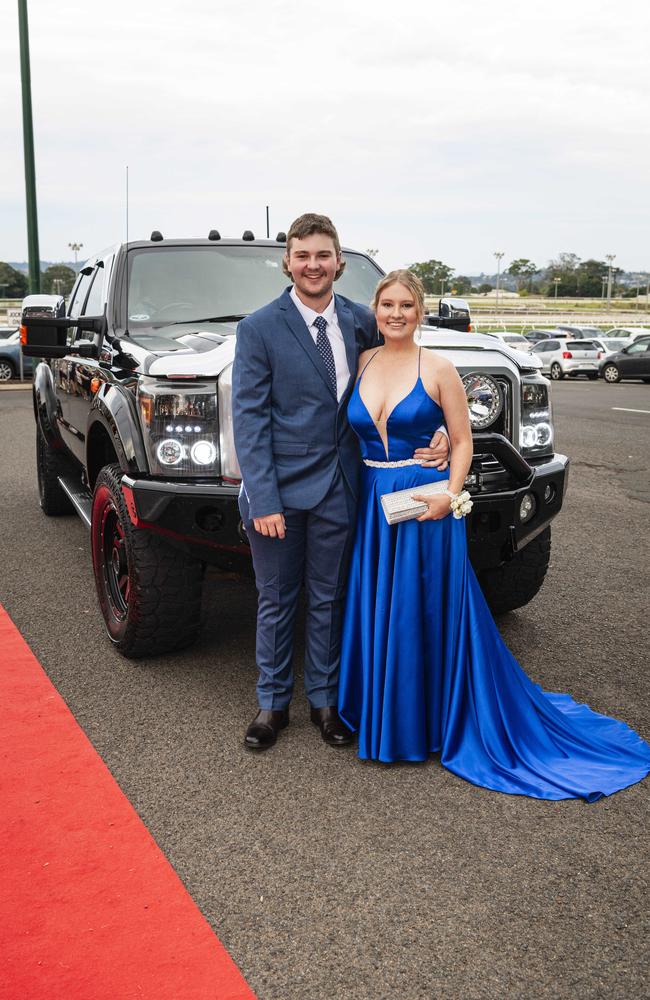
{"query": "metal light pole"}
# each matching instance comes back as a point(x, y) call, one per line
point(610, 258)
point(75, 247)
point(28, 142)
point(499, 255)
point(604, 281)
point(268, 227)
point(556, 282)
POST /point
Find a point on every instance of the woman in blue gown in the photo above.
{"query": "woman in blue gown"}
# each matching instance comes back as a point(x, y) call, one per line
point(423, 666)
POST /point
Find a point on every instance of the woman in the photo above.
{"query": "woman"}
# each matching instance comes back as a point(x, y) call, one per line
point(423, 667)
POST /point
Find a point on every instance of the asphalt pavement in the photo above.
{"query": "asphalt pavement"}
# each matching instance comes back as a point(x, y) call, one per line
point(329, 877)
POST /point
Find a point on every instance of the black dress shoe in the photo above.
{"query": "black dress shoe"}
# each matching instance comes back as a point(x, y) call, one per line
point(263, 730)
point(333, 730)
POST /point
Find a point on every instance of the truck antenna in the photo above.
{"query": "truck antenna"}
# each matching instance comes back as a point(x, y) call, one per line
point(126, 325)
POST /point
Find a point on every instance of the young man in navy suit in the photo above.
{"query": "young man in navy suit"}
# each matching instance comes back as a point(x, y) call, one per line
point(295, 365)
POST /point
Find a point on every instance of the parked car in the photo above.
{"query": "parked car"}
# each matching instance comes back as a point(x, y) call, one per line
point(132, 402)
point(632, 362)
point(611, 345)
point(580, 332)
point(568, 357)
point(534, 336)
point(629, 332)
point(10, 360)
point(514, 340)
point(10, 334)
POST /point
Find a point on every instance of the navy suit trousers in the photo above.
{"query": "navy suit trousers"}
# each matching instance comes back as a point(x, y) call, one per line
point(315, 551)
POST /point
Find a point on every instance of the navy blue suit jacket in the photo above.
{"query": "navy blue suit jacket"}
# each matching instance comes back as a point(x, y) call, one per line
point(290, 431)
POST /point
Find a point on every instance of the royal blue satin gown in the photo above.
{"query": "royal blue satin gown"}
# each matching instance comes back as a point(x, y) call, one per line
point(423, 666)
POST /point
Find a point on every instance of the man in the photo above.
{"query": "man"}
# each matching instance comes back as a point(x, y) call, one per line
point(295, 364)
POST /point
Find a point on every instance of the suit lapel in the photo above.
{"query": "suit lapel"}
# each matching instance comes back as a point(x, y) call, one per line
point(346, 323)
point(298, 327)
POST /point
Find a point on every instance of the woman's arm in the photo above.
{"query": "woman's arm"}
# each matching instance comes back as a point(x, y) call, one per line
point(453, 401)
point(454, 407)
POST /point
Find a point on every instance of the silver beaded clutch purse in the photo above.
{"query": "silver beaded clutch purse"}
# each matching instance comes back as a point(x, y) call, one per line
point(400, 506)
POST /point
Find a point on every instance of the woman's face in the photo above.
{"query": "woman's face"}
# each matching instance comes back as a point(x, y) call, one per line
point(397, 315)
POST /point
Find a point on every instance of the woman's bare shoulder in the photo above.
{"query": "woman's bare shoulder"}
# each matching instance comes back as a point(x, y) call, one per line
point(436, 367)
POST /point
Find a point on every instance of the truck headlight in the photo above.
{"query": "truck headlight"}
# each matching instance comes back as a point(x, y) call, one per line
point(181, 428)
point(229, 464)
point(484, 400)
point(536, 431)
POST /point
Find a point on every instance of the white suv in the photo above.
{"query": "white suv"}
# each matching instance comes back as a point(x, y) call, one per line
point(568, 357)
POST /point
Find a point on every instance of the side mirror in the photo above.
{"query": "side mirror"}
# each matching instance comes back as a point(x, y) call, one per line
point(46, 337)
point(454, 314)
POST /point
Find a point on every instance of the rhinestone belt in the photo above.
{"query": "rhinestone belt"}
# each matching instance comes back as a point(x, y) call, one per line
point(391, 465)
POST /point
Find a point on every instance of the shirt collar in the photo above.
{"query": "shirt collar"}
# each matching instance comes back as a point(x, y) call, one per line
point(309, 315)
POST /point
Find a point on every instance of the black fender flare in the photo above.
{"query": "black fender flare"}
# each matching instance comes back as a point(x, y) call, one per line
point(114, 411)
point(46, 406)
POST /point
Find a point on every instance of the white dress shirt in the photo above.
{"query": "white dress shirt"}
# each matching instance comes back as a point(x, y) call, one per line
point(333, 334)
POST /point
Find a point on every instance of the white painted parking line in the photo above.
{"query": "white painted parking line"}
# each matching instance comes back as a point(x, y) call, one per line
point(627, 409)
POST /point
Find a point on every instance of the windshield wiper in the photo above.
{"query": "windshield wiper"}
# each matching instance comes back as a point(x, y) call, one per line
point(211, 319)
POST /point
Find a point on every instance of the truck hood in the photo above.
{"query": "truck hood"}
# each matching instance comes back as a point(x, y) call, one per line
point(190, 349)
point(476, 350)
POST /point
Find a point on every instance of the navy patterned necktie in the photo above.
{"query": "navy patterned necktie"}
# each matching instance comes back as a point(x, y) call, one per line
point(325, 349)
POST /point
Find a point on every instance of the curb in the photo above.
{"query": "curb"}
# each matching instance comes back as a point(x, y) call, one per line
point(18, 385)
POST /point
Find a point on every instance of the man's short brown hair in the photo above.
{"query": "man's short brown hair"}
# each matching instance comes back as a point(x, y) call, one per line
point(306, 225)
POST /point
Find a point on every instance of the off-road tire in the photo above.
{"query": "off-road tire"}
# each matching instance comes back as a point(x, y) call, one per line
point(556, 372)
point(149, 593)
point(516, 582)
point(50, 464)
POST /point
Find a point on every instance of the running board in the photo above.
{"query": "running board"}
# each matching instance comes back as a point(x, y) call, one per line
point(80, 498)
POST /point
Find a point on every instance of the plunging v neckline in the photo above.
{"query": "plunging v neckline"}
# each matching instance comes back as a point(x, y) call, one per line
point(398, 403)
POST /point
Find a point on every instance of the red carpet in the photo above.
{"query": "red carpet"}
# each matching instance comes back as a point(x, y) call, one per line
point(89, 907)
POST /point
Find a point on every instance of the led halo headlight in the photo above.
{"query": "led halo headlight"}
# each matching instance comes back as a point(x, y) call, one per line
point(203, 453)
point(536, 428)
point(484, 399)
point(180, 426)
point(170, 451)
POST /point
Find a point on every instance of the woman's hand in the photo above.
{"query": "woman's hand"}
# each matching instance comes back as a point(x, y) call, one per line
point(439, 506)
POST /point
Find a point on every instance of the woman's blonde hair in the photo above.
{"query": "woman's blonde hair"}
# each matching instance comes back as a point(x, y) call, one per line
point(409, 280)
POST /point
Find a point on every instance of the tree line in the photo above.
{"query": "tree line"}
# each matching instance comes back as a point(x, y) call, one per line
point(57, 279)
point(567, 276)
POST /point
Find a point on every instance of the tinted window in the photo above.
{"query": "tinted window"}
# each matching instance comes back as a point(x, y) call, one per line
point(79, 296)
point(638, 348)
point(553, 345)
point(95, 304)
point(581, 345)
point(183, 284)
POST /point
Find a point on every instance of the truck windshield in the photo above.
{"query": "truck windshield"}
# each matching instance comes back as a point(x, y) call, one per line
point(172, 285)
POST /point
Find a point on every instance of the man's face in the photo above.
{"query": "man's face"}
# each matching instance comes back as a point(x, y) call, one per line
point(313, 262)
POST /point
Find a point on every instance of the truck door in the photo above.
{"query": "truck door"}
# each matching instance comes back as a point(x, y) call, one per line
point(61, 368)
point(82, 370)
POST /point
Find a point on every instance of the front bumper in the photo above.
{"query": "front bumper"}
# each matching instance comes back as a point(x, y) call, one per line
point(198, 517)
point(204, 518)
point(495, 528)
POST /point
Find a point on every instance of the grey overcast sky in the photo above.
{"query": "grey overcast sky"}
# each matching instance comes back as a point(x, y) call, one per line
point(423, 129)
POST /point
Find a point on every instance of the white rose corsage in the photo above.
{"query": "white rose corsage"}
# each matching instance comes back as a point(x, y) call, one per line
point(461, 503)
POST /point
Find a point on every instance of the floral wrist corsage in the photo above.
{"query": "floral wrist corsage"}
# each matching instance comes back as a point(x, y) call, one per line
point(461, 503)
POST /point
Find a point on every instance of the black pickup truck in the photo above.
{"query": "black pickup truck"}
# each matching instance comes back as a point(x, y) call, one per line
point(132, 400)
